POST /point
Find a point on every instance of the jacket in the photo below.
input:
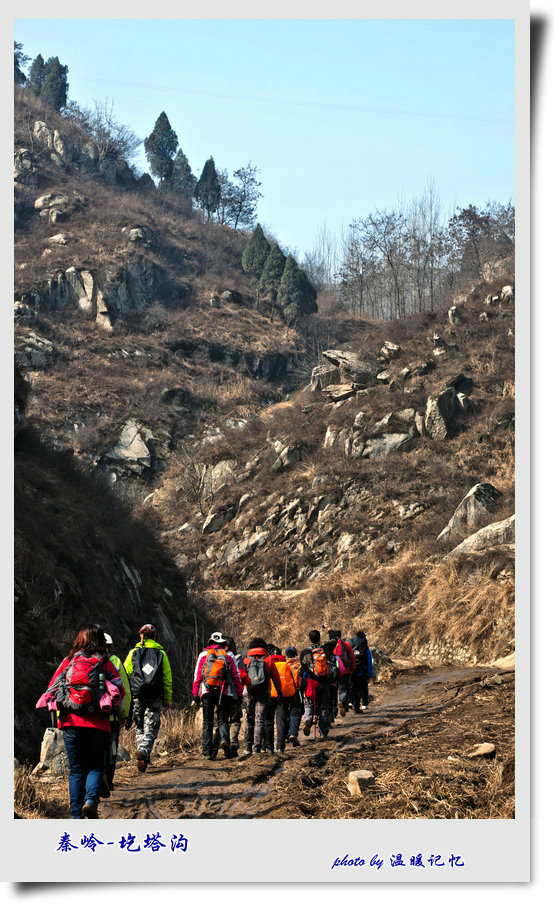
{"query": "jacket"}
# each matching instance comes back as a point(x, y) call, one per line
point(98, 720)
point(166, 668)
point(273, 673)
point(124, 707)
point(233, 685)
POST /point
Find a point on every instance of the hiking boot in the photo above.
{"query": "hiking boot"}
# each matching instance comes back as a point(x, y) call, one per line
point(307, 727)
point(142, 761)
point(246, 752)
point(364, 708)
point(226, 749)
point(90, 810)
point(342, 710)
point(280, 753)
point(294, 740)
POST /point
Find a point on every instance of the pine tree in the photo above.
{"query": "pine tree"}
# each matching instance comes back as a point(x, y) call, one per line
point(19, 60)
point(208, 189)
point(295, 293)
point(182, 178)
point(272, 273)
point(254, 257)
point(160, 148)
point(55, 85)
point(35, 80)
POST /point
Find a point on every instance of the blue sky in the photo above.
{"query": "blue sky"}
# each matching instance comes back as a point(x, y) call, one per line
point(341, 116)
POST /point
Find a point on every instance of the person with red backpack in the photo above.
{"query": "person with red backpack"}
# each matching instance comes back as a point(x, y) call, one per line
point(215, 670)
point(346, 654)
point(232, 703)
point(85, 688)
point(259, 718)
point(150, 680)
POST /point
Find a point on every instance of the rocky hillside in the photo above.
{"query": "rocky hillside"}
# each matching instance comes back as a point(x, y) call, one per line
point(369, 466)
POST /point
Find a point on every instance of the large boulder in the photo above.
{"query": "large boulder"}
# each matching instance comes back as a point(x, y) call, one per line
point(492, 536)
point(352, 368)
point(383, 445)
point(218, 476)
point(323, 375)
point(439, 414)
point(472, 513)
point(217, 519)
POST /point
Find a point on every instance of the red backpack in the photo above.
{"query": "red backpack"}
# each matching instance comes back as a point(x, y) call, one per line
point(214, 669)
point(81, 686)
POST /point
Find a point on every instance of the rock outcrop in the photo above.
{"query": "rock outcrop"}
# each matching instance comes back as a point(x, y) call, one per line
point(472, 513)
point(492, 536)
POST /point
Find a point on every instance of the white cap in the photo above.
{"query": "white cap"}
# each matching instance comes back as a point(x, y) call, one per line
point(109, 640)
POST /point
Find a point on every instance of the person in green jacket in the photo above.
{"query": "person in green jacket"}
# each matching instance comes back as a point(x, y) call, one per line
point(117, 719)
point(149, 673)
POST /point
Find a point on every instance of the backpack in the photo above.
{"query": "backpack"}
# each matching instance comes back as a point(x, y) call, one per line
point(79, 687)
point(146, 680)
point(333, 669)
point(360, 653)
point(258, 673)
point(320, 666)
point(214, 669)
point(288, 686)
point(296, 669)
point(345, 656)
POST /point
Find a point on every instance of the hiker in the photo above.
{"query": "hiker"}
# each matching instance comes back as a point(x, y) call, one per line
point(335, 670)
point(232, 702)
point(150, 680)
point(85, 688)
point(258, 718)
point(317, 699)
point(346, 654)
point(363, 671)
point(281, 705)
point(215, 672)
point(117, 718)
point(296, 706)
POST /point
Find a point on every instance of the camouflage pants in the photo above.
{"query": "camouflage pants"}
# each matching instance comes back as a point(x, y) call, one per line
point(147, 719)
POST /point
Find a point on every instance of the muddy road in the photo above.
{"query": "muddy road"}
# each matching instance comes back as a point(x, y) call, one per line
point(415, 737)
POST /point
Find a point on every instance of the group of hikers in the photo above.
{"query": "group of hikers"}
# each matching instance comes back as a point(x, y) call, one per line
point(279, 690)
point(93, 694)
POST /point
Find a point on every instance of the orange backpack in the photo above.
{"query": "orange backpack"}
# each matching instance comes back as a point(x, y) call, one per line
point(296, 668)
point(319, 663)
point(214, 669)
point(288, 687)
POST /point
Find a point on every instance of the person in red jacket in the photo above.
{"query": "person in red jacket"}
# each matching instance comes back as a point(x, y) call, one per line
point(346, 654)
point(261, 670)
point(86, 731)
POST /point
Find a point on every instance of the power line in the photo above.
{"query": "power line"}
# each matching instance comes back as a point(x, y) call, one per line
point(293, 102)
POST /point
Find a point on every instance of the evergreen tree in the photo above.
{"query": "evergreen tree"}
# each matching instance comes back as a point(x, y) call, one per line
point(208, 189)
point(19, 60)
point(35, 80)
point(182, 178)
point(160, 148)
point(296, 294)
point(272, 273)
point(55, 85)
point(254, 257)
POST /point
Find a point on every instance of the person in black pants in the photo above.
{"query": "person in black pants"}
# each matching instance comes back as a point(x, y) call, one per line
point(363, 671)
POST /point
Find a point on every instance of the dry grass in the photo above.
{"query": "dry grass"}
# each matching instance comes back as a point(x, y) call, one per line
point(32, 800)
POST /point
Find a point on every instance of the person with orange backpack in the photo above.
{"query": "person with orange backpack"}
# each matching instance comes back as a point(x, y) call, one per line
point(215, 669)
point(282, 704)
point(232, 702)
point(296, 705)
point(317, 701)
point(258, 718)
point(346, 654)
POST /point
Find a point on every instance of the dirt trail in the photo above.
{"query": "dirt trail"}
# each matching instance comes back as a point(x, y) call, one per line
point(260, 786)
